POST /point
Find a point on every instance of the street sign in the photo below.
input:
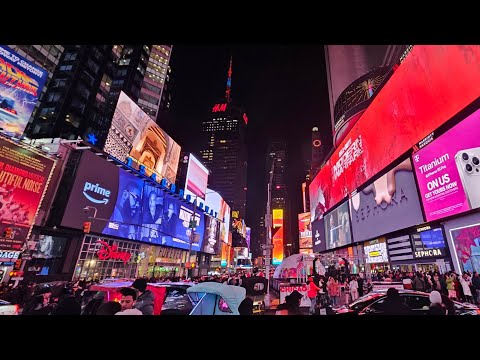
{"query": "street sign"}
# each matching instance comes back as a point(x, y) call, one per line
point(266, 246)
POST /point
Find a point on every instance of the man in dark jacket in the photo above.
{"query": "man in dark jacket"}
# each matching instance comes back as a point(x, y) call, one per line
point(146, 299)
point(393, 304)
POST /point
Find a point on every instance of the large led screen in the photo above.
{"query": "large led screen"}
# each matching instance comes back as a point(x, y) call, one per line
point(134, 134)
point(215, 202)
point(277, 236)
point(337, 227)
point(21, 84)
point(304, 231)
point(430, 86)
point(389, 203)
point(211, 243)
point(121, 204)
point(197, 178)
point(375, 251)
point(24, 177)
point(448, 170)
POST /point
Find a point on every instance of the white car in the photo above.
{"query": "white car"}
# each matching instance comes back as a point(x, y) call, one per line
point(8, 309)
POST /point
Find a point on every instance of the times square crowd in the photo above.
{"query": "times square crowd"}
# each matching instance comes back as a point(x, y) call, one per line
point(332, 288)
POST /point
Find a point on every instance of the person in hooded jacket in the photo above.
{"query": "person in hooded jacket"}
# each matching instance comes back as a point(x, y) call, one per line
point(436, 304)
point(145, 302)
point(291, 306)
point(312, 294)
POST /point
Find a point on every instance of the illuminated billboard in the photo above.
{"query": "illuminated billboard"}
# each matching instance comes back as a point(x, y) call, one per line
point(247, 236)
point(277, 238)
point(133, 134)
point(21, 84)
point(215, 202)
point(375, 251)
point(197, 178)
point(448, 170)
point(305, 231)
point(337, 227)
point(409, 107)
point(24, 177)
point(125, 206)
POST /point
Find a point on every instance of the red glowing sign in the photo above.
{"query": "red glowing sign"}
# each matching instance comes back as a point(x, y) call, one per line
point(111, 252)
point(245, 118)
point(219, 108)
point(419, 97)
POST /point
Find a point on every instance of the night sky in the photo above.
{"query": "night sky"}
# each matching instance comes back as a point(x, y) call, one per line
point(284, 92)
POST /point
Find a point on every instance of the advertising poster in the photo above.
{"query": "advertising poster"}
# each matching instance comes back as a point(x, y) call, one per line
point(197, 178)
point(214, 201)
point(224, 259)
point(318, 236)
point(277, 236)
point(21, 84)
point(305, 231)
point(24, 177)
point(429, 243)
point(134, 134)
point(248, 232)
point(448, 170)
point(49, 247)
point(302, 289)
point(375, 251)
point(467, 246)
point(389, 203)
point(410, 106)
point(211, 243)
point(337, 227)
point(120, 204)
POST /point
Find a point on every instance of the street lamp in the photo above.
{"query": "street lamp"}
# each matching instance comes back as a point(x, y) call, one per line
point(88, 208)
point(268, 246)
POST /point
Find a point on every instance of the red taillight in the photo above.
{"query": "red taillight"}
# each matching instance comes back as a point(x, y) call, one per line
point(478, 311)
point(16, 309)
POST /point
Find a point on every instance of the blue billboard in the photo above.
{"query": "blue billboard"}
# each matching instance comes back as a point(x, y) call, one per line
point(21, 84)
point(128, 207)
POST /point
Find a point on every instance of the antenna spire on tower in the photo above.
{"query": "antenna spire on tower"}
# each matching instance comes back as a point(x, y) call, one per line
point(229, 81)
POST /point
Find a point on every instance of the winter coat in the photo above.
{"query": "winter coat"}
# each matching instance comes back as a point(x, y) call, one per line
point(418, 284)
point(476, 282)
point(466, 287)
point(132, 311)
point(333, 288)
point(312, 290)
point(145, 303)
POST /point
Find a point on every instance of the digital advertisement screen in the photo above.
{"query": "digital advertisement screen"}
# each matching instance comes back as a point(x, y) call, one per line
point(465, 235)
point(448, 170)
point(211, 243)
point(214, 201)
point(49, 247)
point(389, 203)
point(337, 227)
point(134, 134)
point(248, 233)
point(225, 252)
point(318, 236)
point(432, 238)
point(305, 231)
point(277, 236)
point(375, 251)
point(197, 178)
point(409, 107)
point(24, 176)
point(126, 206)
point(21, 84)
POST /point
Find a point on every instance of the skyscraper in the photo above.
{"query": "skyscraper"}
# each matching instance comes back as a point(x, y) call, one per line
point(223, 150)
point(85, 87)
point(46, 56)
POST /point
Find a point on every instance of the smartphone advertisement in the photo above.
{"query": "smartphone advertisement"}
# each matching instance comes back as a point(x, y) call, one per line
point(448, 170)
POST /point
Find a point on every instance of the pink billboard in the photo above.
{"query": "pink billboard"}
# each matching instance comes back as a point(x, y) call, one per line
point(448, 170)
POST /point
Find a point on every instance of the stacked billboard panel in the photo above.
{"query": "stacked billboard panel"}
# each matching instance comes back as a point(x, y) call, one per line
point(220, 207)
point(133, 134)
point(197, 179)
point(277, 238)
point(304, 231)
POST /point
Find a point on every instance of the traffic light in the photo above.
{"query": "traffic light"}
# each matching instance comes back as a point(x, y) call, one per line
point(86, 226)
point(192, 265)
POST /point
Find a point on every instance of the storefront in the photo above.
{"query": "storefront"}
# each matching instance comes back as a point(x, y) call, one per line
point(102, 257)
point(463, 236)
point(160, 261)
point(422, 249)
point(376, 256)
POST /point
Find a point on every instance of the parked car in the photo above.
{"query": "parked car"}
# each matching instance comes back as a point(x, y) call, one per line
point(417, 301)
point(7, 308)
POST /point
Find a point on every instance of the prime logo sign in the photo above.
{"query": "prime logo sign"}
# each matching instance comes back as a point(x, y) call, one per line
point(94, 191)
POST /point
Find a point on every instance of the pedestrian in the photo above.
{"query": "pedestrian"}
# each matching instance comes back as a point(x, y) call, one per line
point(291, 306)
point(354, 289)
point(360, 285)
point(109, 308)
point(465, 283)
point(246, 307)
point(312, 294)
point(436, 305)
point(146, 300)
point(333, 290)
point(418, 283)
point(476, 286)
point(68, 305)
point(127, 301)
point(393, 304)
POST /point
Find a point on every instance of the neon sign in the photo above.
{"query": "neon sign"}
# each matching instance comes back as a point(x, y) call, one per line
point(219, 108)
point(110, 252)
point(245, 118)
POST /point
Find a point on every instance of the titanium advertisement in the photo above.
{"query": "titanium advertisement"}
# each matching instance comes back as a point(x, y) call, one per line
point(197, 178)
point(448, 170)
point(214, 201)
point(389, 203)
point(305, 231)
point(24, 177)
point(134, 134)
point(410, 106)
point(126, 206)
point(375, 251)
point(337, 227)
point(318, 236)
point(21, 84)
